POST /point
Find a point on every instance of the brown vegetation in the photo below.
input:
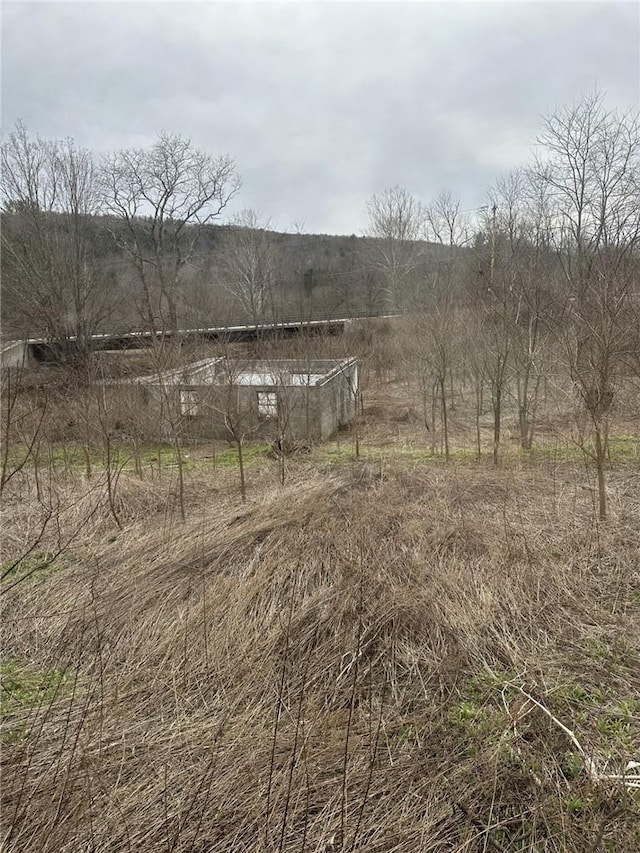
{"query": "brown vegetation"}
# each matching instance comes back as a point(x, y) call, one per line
point(342, 663)
point(422, 636)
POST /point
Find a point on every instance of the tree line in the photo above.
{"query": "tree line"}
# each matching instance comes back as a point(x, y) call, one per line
point(155, 203)
point(550, 282)
point(136, 239)
point(543, 277)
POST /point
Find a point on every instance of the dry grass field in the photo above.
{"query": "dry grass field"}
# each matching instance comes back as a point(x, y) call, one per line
point(386, 653)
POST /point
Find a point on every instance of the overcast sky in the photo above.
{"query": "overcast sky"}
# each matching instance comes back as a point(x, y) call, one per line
point(320, 104)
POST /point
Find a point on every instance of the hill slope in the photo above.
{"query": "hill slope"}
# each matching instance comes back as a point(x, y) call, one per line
point(343, 664)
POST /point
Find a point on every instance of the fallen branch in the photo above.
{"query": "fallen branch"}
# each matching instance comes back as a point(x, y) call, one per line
point(590, 766)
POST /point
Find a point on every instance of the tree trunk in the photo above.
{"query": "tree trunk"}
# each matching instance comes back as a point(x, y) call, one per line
point(434, 401)
point(445, 423)
point(425, 406)
point(497, 422)
point(111, 481)
point(243, 488)
point(451, 390)
point(180, 462)
point(356, 431)
point(600, 462)
point(479, 405)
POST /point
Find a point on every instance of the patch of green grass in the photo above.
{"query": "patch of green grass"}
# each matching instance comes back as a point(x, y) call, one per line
point(406, 736)
point(552, 452)
point(456, 454)
point(614, 726)
point(61, 457)
point(74, 457)
point(23, 688)
point(68, 456)
point(487, 692)
point(465, 712)
point(332, 452)
point(615, 729)
point(628, 708)
point(595, 709)
point(481, 710)
point(35, 566)
point(572, 765)
point(150, 454)
point(577, 695)
point(596, 649)
point(164, 455)
point(574, 805)
point(482, 728)
point(252, 454)
point(617, 652)
point(624, 448)
point(488, 686)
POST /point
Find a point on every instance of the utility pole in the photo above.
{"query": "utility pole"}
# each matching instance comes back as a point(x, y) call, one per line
point(494, 211)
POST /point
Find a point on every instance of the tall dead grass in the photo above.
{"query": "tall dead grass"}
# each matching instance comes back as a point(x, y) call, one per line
point(337, 665)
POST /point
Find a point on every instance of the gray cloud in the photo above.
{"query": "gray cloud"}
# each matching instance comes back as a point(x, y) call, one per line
point(320, 104)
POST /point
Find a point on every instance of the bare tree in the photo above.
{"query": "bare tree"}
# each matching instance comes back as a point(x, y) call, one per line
point(449, 226)
point(55, 283)
point(22, 418)
point(433, 349)
point(164, 197)
point(237, 417)
point(590, 166)
point(523, 271)
point(396, 223)
point(248, 266)
point(476, 356)
point(534, 322)
point(445, 222)
point(494, 301)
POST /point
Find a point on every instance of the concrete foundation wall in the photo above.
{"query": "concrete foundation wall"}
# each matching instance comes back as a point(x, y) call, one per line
point(17, 355)
point(304, 412)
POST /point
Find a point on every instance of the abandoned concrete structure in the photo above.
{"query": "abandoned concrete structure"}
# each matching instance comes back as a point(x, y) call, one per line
point(223, 398)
